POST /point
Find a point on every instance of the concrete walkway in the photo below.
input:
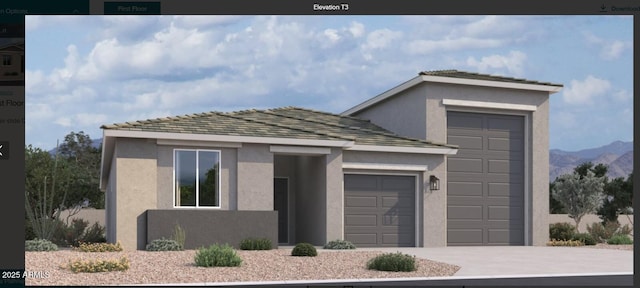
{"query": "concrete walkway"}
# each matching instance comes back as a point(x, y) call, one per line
point(525, 261)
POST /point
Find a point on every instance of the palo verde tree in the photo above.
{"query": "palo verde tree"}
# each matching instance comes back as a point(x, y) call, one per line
point(579, 195)
point(67, 180)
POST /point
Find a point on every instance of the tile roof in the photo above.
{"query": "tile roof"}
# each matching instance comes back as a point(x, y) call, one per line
point(286, 122)
point(488, 77)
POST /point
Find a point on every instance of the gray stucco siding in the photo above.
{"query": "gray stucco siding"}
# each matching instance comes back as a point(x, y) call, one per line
point(255, 177)
point(405, 114)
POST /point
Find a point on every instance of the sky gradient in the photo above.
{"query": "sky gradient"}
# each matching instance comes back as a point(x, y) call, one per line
point(85, 71)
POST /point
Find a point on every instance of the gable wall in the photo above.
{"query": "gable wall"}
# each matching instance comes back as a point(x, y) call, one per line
point(136, 169)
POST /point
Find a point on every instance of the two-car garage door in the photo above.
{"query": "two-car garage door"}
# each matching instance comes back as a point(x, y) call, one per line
point(379, 210)
point(485, 197)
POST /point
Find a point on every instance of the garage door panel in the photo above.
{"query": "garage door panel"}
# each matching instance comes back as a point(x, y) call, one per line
point(393, 201)
point(505, 166)
point(505, 123)
point(465, 188)
point(463, 237)
point(505, 189)
point(504, 212)
point(361, 220)
point(504, 236)
point(464, 165)
point(361, 201)
point(404, 239)
point(397, 183)
point(486, 194)
point(361, 182)
point(369, 225)
point(368, 238)
point(464, 212)
point(466, 122)
point(505, 144)
point(466, 142)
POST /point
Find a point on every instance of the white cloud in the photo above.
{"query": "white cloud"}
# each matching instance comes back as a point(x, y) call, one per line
point(513, 63)
point(421, 47)
point(609, 49)
point(356, 29)
point(382, 38)
point(622, 95)
point(583, 92)
point(63, 121)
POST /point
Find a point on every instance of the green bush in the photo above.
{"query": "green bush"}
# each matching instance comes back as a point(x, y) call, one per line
point(339, 244)
point(304, 249)
point(99, 247)
point(620, 239)
point(585, 238)
point(561, 231)
point(39, 245)
point(94, 266)
point(256, 244)
point(602, 233)
point(217, 256)
point(29, 234)
point(396, 262)
point(571, 243)
point(164, 245)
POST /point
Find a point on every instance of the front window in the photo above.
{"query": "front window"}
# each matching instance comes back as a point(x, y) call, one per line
point(197, 178)
point(6, 60)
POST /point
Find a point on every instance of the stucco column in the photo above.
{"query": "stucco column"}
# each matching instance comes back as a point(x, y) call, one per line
point(335, 197)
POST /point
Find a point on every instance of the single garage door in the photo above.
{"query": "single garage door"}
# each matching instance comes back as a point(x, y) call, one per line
point(485, 179)
point(379, 210)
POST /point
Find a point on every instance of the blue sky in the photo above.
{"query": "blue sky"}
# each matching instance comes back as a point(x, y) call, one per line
point(85, 71)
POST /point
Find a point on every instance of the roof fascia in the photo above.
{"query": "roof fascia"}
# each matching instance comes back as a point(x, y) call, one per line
point(398, 149)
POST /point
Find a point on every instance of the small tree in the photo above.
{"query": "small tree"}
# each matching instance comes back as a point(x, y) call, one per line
point(579, 195)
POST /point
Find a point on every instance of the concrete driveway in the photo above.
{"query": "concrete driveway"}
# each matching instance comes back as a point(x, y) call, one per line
point(526, 260)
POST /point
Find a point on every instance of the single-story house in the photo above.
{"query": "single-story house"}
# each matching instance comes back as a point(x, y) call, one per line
point(446, 158)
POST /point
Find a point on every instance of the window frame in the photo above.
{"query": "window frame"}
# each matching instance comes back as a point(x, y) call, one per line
point(197, 196)
point(7, 60)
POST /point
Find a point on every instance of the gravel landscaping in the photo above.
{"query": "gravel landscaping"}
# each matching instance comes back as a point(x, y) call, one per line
point(608, 246)
point(178, 267)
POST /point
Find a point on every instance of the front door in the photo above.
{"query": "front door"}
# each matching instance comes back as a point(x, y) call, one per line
point(281, 204)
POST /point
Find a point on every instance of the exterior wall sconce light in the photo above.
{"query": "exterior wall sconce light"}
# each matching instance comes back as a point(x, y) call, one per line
point(434, 183)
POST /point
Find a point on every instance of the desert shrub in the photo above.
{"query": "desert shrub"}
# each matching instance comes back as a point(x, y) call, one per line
point(585, 238)
point(625, 230)
point(94, 266)
point(179, 235)
point(620, 239)
point(77, 232)
point(571, 243)
point(39, 245)
point(94, 234)
point(99, 247)
point(304, 249)
point(164, 245)
point(339, 244)
point(561, 231)
point(217, 256)
point(602, 233)
point(256, 244)
point(396, 262)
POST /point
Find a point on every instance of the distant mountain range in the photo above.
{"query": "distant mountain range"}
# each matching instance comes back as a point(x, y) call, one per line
point(618, 156)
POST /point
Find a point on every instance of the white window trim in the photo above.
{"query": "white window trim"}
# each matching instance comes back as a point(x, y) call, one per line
point(198, 182)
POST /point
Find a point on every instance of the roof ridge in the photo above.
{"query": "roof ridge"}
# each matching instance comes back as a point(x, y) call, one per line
point(282, 126)
point(388, 134)
point(157, 119)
